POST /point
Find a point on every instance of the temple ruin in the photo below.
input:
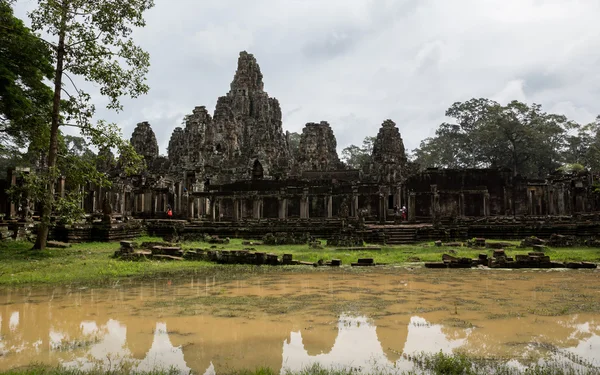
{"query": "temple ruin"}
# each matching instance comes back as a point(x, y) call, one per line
point(233, 173)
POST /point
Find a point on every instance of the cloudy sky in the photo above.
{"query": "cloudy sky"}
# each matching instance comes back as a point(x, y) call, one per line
point(355, 63)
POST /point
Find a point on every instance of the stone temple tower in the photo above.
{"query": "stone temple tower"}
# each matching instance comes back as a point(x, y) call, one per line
point(388, 160)
point(245, 138)
point(317, 149)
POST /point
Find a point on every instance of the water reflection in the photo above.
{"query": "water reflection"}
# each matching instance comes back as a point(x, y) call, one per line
point(145, 326)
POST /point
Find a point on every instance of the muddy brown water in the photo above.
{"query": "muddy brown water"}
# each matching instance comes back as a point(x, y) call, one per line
point(292, 320)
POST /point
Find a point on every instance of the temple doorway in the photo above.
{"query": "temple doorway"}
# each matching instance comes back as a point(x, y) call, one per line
point(257, 171)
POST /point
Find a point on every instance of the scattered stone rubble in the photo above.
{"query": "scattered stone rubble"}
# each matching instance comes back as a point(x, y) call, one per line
point(499, 259)
point(165, 251)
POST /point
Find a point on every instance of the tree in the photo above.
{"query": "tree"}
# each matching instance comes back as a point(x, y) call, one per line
point(92, 40)
point(359, 157)
point(25, 99)
point(293, 144)
point(516, 136)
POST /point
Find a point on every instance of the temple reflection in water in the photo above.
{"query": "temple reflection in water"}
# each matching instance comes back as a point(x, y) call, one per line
point(136, 325)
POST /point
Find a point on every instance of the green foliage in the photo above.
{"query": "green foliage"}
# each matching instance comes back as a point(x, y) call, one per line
point(571, 168)
point(515, 136)
point(68, 208)
point(91, 40)
point(294, 144)
point(25, 62)
point(359, 157)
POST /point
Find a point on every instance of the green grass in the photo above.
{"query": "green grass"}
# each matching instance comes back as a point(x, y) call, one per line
point(91, 263)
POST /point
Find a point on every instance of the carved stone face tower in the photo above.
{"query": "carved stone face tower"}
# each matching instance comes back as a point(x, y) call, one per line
point(317, 149)
point(388, 163)
point(144, 142)
point(246, 133)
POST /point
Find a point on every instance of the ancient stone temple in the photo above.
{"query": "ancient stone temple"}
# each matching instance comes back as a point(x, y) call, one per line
point(232, 173)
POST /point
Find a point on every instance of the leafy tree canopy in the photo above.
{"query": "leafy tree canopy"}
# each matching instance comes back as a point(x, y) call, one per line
point(517, 136)
point(357, 157)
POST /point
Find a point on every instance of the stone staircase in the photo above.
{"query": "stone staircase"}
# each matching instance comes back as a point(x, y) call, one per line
point(398, 235)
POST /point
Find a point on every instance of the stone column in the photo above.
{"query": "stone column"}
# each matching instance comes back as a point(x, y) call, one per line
point(461, 204)
point(382, 208)
point(154, 203)
point(190, 207)
point(354, 205)
point(329, 201)
point(179, 195)
point(283, 208)
point(412, 206)
point(142, 202)
point(530, 202)
point(213, 209)
point(236, 209)
point(486, 204)
point(304, 205)
point(561, 201)
point(123, 200)
point(256, 208)
point(13, 182)
point(61, 186)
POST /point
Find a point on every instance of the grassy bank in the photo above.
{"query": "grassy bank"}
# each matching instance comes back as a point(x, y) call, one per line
point(429, 364)
point(90, 263)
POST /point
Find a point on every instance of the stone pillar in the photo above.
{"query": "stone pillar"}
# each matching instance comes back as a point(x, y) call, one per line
point(13, 182)
point(530, 203)
point(283, 208)
point(486, 204)
point(190, 207)
point(354, 205)
point(256, 208)
point(94, 193)
point(61, 186)
point(154, 203)
point(561, 201)
point(123, 200)
point(461, 204)
point(236, 209)
point(304, 205)
point(213, 209)
point(382, 208)
point(142, 202)
point(329, 201)
point(412, 204)
point(179, 195)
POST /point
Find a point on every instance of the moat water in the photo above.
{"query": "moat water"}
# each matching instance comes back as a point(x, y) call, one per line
point(292, 320)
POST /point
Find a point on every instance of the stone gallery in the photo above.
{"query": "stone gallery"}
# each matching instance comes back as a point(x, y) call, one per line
point(235, 170)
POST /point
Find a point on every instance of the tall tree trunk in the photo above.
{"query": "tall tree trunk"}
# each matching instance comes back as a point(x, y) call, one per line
point(44, 228)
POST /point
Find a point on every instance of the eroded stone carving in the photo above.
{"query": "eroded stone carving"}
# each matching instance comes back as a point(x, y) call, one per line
point(317, 150)
point(388, 161)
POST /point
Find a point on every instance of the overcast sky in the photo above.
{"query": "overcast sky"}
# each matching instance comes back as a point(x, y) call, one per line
point(355, 63)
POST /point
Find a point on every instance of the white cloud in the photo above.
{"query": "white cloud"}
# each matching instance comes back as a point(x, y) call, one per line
point(355, 63)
